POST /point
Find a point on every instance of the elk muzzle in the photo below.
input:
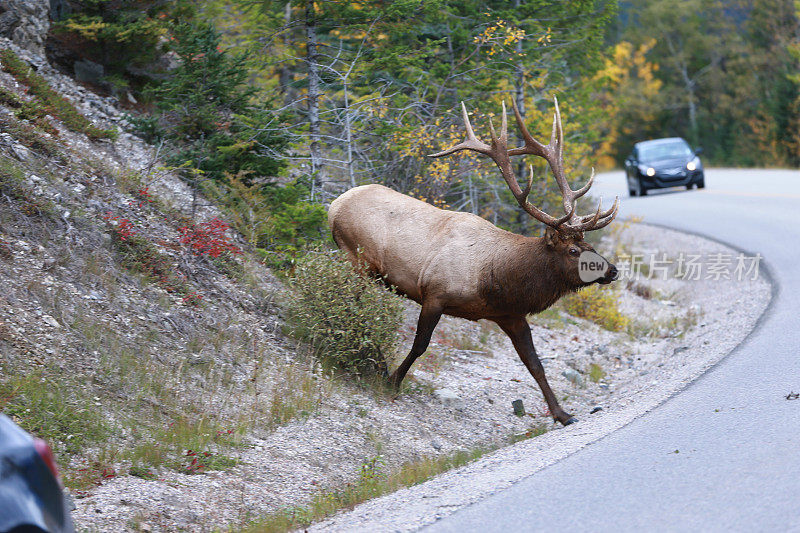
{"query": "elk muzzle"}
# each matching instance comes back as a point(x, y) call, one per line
point(593, 267)
point(611, 275)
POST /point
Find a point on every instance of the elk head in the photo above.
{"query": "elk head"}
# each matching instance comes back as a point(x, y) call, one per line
point(564, 235)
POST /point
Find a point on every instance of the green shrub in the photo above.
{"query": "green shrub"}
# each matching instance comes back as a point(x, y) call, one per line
point(598, 305)
point(210, 113)
point(272, 217)
point(350, 321)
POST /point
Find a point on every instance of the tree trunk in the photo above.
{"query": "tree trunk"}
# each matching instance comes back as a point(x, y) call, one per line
point(692, 113)
point(692, 103)
point(348, 135)
point(313, 94)
point(285, 72)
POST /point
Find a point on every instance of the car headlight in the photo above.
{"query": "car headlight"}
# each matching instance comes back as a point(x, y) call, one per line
point(651, 171)
point(690, 165)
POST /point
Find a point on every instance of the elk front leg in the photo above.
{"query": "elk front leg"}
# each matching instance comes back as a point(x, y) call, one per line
point(428, 318)
point(519, 332)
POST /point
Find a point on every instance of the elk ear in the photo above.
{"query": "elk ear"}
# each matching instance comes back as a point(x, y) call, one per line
point(551, 237)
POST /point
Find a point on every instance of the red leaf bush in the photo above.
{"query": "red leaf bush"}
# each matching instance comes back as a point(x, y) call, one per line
point(208, 239)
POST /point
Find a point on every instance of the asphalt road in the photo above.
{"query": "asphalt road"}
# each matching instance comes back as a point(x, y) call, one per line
point(723, 454)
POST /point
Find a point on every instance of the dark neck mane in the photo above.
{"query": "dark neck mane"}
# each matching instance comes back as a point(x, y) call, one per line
point(528, 278)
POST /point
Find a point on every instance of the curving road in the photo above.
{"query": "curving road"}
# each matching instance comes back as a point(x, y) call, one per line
point(738, 469)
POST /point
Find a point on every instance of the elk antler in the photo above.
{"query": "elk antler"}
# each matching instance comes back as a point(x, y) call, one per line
point(553, 154)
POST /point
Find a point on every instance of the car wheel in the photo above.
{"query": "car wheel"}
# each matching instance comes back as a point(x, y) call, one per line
point(641, 190)
point(701, 184)
point(631, 190)
point(690, 186)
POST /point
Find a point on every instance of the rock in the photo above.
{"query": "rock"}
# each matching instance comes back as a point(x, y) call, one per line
point(21, 152)
point(449, 398)
point(8, 21)
point(573, 376)
point(50, 321)
point(519, 408)
point(26, 22)
point(436, 445)
point(597, 409)
point(199, 359)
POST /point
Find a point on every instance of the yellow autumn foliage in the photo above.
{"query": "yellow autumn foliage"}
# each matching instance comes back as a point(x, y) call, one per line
point(629, 88)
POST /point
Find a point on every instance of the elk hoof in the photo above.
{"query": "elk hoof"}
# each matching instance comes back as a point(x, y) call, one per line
point(570, 420)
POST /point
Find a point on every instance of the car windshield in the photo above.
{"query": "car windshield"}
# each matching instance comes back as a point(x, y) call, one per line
point(665, 150)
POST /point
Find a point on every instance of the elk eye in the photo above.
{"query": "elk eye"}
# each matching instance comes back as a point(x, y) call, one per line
point(574, 251)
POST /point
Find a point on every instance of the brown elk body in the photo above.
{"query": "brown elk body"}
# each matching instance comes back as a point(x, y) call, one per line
point(461, 265)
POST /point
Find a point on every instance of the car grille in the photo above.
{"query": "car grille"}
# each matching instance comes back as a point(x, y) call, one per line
point(675, 172)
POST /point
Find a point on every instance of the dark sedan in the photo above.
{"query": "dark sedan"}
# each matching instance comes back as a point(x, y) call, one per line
point(662, 163)
point(30, 493)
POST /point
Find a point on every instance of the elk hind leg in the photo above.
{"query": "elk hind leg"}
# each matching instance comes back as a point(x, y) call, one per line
point(428, 319)
point(519, 332)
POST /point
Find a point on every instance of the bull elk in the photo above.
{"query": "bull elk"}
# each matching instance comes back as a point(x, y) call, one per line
point(461, 265)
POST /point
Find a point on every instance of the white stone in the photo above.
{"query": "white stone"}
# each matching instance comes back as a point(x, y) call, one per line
point(449, 398)
point(50, 321)
point(21, 152)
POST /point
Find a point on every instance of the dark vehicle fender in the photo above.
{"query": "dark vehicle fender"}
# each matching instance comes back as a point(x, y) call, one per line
point(30, 496)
